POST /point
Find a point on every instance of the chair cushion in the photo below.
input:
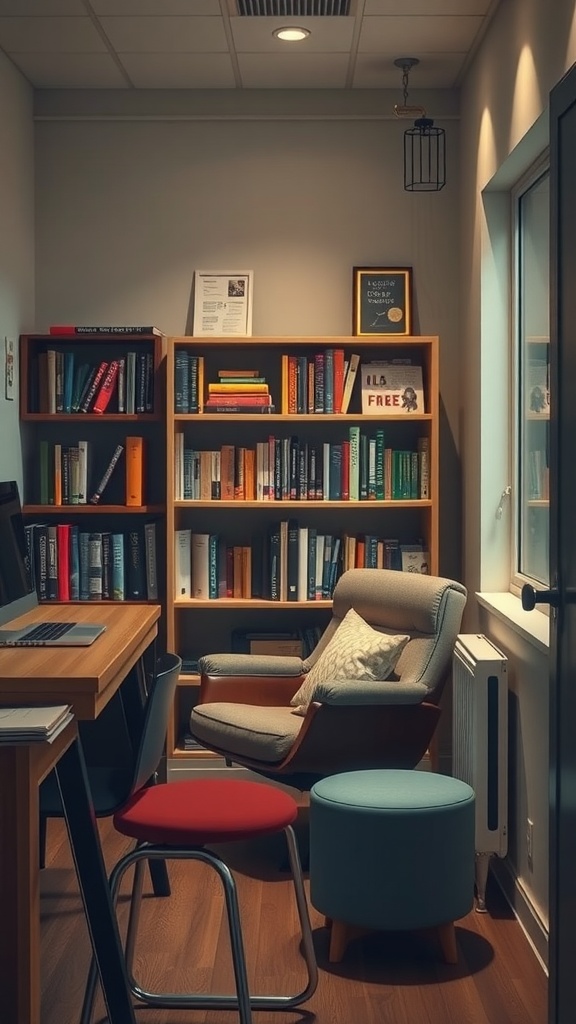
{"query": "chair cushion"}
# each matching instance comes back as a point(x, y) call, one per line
point(262, 733)
point(356, 651)
point(201, 811)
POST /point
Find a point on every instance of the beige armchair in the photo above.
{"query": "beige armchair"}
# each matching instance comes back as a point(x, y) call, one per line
point(245, 712)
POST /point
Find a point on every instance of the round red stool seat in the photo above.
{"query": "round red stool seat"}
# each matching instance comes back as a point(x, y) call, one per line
point(196, 812)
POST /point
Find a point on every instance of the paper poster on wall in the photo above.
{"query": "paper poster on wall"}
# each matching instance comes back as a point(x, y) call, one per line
point(9, 369)
point(222, 303)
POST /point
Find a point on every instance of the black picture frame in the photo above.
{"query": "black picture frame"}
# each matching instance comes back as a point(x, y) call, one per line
point(382, 301)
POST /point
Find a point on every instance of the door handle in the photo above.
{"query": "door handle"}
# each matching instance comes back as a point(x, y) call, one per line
point(531, 597)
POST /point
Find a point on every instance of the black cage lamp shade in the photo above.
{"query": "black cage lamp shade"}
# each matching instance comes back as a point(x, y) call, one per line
point(424, 143)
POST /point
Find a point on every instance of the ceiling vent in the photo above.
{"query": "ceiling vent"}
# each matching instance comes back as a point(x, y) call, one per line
point(292, 8)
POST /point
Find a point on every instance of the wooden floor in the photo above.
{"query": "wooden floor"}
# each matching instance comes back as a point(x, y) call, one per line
point(384, 979)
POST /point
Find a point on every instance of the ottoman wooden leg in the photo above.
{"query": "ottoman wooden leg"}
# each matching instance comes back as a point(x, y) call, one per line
point(341, 934)
point(447, 938)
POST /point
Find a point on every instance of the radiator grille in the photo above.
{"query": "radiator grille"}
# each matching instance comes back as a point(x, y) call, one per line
point(480, 735)
point(292, 8)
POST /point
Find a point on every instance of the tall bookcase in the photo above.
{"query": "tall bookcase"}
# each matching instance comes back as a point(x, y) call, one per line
point(202, 625)
point(52, 433)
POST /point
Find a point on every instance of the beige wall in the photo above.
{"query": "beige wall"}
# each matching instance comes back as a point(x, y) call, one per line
point(17, 248)
point(503, 129)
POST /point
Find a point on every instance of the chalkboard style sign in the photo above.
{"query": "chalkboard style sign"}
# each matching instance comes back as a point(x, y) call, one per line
point(382, 301)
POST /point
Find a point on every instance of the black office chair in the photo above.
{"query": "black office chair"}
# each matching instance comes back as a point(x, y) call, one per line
point(112, 784)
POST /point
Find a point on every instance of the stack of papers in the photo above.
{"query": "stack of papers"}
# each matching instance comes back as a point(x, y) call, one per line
point(27, 725)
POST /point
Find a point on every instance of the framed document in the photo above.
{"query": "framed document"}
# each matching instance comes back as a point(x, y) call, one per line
point(382, 301)
point(222, 303)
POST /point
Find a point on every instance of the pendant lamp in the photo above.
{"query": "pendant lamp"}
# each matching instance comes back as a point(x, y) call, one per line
point(424, 144)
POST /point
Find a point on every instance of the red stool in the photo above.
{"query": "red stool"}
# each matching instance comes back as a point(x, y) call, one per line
point(177, 821)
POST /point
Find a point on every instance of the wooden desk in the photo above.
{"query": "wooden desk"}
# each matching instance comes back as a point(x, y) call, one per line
point(86, 678)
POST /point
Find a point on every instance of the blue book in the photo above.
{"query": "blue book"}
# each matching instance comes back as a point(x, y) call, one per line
point(74, 568)
point(118, 584)
point(68, 381)
point(312, 534)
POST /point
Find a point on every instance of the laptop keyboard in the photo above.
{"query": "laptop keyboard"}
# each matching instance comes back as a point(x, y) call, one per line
point(48, 631)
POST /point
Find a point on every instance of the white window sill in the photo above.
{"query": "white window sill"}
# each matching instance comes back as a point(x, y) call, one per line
point(531, 626)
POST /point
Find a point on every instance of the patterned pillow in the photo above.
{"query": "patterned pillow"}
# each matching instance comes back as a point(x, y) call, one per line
point(356, 651)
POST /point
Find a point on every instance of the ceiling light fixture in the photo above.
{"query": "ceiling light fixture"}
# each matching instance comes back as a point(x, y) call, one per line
point(291, 35)
point(424, 144)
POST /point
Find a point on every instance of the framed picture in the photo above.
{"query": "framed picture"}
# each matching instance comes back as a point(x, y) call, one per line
point(222, 303)
point(382, 301)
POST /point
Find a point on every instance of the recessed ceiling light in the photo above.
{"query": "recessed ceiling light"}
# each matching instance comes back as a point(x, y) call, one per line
point(291, 35)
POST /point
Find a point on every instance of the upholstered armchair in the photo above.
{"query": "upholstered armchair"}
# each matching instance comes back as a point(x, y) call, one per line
point(367, 697)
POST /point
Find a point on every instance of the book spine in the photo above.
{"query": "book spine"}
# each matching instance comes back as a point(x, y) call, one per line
point(354, 437)
point(62, 330)
point(74, 557)
point(106, 388)
point(181, 381)
point(182, 563)
point(134, 472)
point(292, 560)
point(106, 567)
point(52, 580)
point(329, 380)
point(63, 555)
point(95, 567)
point(122, 384)
point(94, 386)
point(319, 382)
point(349, 382)
point(201, 565)
point(136, 569)
point(379, 465)
point(68, 381)
point(41, 561)
point(84, 546)
point(101, 486)
point(213, 567)
point(151, 568)
point(118, 583)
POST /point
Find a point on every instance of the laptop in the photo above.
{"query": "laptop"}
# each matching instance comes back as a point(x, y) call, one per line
point(17, 592)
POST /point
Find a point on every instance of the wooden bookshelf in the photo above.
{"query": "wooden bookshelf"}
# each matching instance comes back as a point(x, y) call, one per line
point(201, 625)
point(49, 420)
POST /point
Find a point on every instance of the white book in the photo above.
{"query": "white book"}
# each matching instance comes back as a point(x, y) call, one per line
point(200, 543)
point(349, 381)
point(82, 472)
point(182, 563)
point(179, 467)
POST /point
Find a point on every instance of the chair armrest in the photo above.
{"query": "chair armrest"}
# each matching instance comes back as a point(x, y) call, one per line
point(370, 692)
point(265, 691)
point(250, 665)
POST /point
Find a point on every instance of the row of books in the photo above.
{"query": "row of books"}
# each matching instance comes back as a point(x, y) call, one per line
point(63, 382)
point(66, 476)
point(359, 468)
point(321, 383)
point(289, 563)
point(70, 564)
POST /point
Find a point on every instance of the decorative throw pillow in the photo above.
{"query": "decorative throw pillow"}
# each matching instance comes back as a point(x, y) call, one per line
point(356, 651)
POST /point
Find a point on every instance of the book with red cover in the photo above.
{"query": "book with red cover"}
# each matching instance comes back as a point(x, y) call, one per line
point(62, 330)
point(107, 387)
point(239, 399)
point(63, 549)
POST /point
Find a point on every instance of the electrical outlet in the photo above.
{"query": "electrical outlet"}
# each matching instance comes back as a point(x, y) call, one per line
point(529, 840)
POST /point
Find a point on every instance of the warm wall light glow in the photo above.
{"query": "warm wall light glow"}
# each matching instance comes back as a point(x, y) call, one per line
point(291, 35)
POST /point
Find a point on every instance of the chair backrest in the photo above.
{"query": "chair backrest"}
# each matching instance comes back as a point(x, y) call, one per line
point(156, 718)
point(428, 608)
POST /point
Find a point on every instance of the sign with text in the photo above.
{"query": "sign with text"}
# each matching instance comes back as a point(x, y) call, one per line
point(382, 301)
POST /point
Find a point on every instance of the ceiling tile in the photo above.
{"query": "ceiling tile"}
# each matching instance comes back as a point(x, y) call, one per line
point(71, 71)
point(411, 8)
point(45, 7)
point(293, 71)
point(142, 8)
point(49, 35)
point(166, 35)
point(254, 35)
point(426, 35)
point(435, 71)
point(179, 70)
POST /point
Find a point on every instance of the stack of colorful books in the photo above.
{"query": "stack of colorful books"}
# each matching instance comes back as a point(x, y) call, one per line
point(239, 391)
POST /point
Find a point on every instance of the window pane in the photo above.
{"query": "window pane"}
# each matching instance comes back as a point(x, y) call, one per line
point(534, 401)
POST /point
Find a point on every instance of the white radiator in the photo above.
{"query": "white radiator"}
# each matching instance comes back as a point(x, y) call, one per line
point(480, 735)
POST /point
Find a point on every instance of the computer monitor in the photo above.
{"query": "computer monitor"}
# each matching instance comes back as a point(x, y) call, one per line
point(17, 592)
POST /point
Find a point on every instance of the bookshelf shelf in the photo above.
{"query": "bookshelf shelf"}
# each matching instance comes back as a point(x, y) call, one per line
point(107, 551)
point(241, 521)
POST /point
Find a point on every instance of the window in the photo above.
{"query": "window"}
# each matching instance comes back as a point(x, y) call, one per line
point(531, 213)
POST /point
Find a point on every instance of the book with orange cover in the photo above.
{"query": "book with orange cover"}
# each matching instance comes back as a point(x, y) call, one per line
point(134, 471)
point(242, 389)
point(57, 474)
point(227, 456)
point(250, 475)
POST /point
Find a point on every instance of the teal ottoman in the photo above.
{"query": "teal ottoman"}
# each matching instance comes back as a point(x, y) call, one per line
point(391, 850)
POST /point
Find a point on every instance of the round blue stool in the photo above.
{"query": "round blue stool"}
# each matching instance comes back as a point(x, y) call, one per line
point(391, 850)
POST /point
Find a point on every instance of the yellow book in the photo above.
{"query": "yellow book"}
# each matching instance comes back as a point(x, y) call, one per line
point(240, 389)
